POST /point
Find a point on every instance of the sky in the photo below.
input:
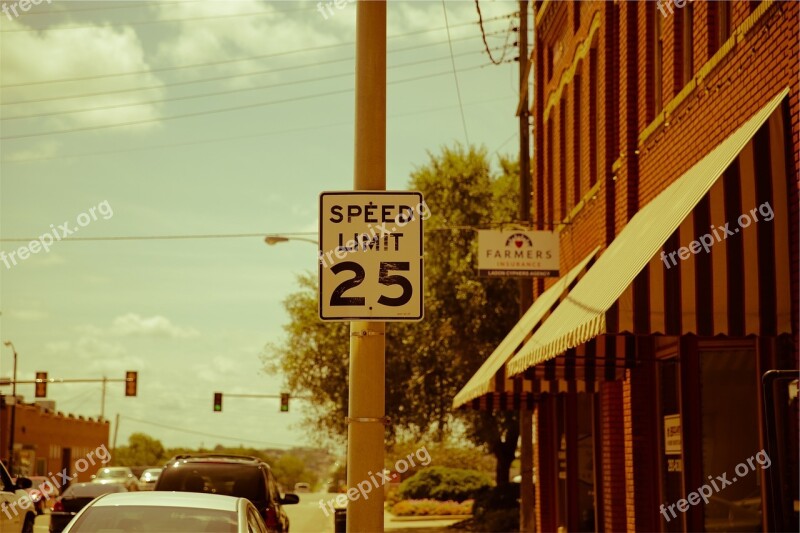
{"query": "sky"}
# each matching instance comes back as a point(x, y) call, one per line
point(147, 119)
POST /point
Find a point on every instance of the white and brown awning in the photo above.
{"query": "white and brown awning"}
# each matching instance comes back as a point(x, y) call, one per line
point(489, 388)
point(736, 286)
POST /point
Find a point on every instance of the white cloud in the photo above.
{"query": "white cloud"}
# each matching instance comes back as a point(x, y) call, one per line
point(154, 326)
point(34, 56)
point(26, 314)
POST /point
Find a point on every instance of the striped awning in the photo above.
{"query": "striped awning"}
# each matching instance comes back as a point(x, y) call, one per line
point(737, 285)
point(490, 377)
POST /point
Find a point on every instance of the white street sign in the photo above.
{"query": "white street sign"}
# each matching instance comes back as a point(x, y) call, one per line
point(370, 255)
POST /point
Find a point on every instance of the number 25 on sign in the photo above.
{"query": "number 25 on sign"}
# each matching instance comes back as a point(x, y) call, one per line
point(370, 256)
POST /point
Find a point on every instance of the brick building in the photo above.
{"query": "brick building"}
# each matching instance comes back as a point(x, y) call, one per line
point(46, 441)
point(666, 146)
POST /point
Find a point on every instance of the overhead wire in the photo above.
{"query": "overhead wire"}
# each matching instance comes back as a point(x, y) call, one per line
point(221, 77)
point(241, 137)
point(203, 434)
point(483, 35)
point(228, 61)
point(455, 75)
point(220, 110)
point(220, 93)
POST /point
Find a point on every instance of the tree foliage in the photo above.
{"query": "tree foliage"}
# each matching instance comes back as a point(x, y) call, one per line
point(466, 316)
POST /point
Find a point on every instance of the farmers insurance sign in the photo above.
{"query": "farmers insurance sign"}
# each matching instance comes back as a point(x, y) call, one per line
point(518, 253)
point(371, 255)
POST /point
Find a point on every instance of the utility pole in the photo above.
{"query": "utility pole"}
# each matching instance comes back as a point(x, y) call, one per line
point(13, 412)
point(116, 431)
point(365, 429)
point(103, 401)
point(526, 488)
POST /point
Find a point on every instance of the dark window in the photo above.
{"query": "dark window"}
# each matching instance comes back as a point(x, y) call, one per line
point(562, 149)
point(594, 125)
point(723, 23)
point(658, 63)
point(687, 14)
point(217, 478)
point(577, 156)
point(551, 175)
point(576, 16)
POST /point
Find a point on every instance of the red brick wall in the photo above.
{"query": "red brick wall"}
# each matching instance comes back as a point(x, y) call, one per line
point(48, 433)
point(613, 457)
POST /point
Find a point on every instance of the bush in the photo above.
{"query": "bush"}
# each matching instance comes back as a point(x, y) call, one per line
point(431, 508)
point(496, 509)
point(443, 483)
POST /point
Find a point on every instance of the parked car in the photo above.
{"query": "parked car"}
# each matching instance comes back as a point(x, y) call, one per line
point(17, 515)
point(230, 475)
point(75, 498)
point(117, 474)
point(149, 478)
point(172, 511)
point(41, 491)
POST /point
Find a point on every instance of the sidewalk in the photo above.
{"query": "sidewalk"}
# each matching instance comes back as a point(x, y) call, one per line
point(419, 525)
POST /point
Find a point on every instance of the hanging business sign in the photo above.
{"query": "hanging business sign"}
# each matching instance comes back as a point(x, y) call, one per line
point(514, 253)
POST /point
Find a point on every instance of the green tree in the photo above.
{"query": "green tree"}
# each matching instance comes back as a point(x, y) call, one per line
point(142, 450)
point(427, 362)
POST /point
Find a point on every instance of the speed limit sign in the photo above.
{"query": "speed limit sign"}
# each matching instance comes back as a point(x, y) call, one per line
point(370, 255)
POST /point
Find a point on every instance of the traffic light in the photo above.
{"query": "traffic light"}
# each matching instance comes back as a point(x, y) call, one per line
point(217, 402)
point(41, 386)
point(284, 402)
point(130, 383)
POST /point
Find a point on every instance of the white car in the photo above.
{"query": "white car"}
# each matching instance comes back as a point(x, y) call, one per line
point(117, 474)
point(149, 477)
point(176, 512)
point(17, 510)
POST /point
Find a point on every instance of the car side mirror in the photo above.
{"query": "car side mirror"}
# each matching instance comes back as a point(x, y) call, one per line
point(289, 499)
point(24, 483)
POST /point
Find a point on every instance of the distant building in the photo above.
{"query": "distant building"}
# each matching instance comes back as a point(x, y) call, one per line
point(666, 153)
point(46, 442)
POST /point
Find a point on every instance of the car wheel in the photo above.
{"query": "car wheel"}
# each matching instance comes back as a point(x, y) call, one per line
point(27, 526)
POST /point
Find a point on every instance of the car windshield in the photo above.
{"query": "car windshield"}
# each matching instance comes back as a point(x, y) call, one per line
point(91, 490)
point(216, 478)
point(112, 473)
point(151, 475)
point(155, 519)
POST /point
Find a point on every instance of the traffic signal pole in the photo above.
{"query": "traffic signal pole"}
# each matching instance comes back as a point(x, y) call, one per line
point(365, 423)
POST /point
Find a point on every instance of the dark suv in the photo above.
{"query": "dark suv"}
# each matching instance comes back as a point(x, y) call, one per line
point(232, 475)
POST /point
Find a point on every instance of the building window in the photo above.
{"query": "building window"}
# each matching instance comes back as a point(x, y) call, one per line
point(577, 155)
point(551, 175)
point(576, 16)
point(688, 43)
point(594, 125)
point(562, 163)
point(723, 23)
point(658, 63)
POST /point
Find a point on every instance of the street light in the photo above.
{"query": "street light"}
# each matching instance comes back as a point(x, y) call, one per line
point(13, 411)
point(275, 239)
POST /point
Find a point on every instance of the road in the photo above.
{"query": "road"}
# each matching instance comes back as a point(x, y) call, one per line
point(307, 516)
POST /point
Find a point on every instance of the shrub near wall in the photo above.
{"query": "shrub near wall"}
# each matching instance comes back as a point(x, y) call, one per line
point(443, 484)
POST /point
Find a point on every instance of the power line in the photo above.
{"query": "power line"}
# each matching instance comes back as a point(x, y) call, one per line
point(210, 435)
point(455, 75)
point(221, 110)
point(483, 35)
point(223, 77)
point(143, 22)
point(131, 5)
point(240, 137)
point(219, 93)
point(227, 61)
